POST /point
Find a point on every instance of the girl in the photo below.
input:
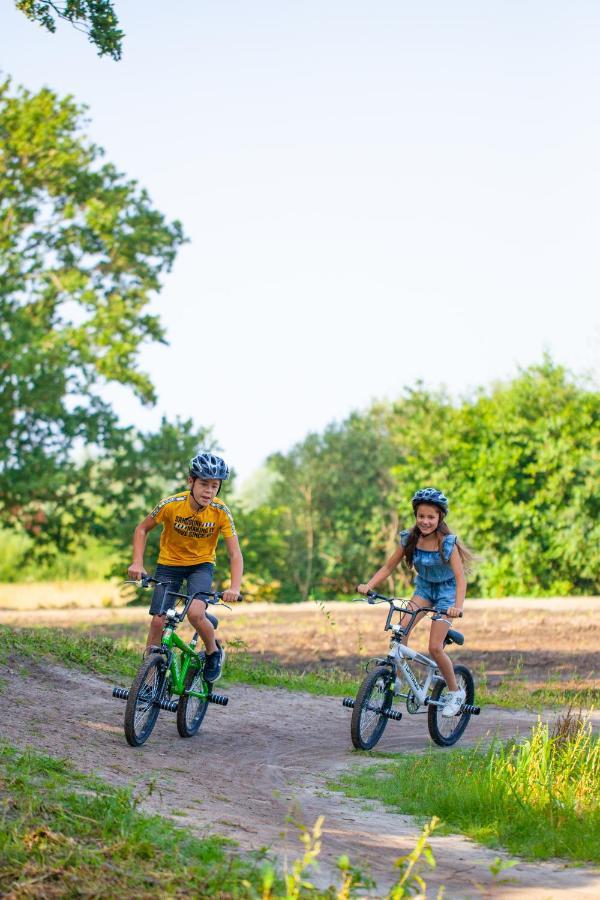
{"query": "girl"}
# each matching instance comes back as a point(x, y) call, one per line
point(440, 561)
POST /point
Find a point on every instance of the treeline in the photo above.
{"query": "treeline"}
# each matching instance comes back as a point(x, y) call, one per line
point(519, 461)
point(82, 254)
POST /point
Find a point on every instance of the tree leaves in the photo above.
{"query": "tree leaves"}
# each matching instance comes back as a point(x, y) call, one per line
point(96, 18)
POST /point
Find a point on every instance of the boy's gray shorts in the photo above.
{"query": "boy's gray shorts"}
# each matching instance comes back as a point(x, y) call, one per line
point(197, 578)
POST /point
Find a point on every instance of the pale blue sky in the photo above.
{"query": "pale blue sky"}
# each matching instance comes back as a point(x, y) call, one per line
point(375, 193)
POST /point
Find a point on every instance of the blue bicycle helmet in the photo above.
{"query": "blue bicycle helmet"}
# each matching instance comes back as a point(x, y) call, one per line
point(430, 495)
point(207, 465)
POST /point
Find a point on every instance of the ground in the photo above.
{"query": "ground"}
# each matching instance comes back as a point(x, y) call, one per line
point(269, 754)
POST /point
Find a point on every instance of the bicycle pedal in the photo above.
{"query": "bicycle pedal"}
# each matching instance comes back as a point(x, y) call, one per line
point(349, 702)
point(169, 705)
point(219, 699)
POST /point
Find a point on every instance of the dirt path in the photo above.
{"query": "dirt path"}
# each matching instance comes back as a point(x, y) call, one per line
point(265, 754)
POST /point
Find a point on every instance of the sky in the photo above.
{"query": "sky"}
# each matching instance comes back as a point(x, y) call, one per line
point(374, 193)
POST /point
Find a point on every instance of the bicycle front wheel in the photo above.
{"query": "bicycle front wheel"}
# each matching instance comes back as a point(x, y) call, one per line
point(191, 710)
point(446, 731)
point(142, 707)
point(375, 697)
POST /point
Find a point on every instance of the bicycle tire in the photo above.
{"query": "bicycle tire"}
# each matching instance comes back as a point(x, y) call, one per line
point(190, 710)
point(446, 732)
point(366, 732)
point(141, 711)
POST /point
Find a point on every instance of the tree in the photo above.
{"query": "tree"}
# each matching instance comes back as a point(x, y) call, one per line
point(81, 255)
point(96, 18)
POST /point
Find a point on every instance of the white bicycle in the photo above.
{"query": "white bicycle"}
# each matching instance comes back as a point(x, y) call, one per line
point(391, 677)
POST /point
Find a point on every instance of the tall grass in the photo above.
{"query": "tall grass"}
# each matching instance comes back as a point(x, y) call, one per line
point(538, 798)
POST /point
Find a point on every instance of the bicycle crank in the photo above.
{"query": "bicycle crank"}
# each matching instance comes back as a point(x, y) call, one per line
point(123, 693)
point(386, 713)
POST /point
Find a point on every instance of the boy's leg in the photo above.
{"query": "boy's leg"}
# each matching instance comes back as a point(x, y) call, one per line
point(198, 620)
point(173, 577)
point(201, 580)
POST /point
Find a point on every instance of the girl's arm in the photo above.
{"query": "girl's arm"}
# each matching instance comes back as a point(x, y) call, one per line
point(236, 567)
point(384, 572)
point(140, 536)
point(461, 583)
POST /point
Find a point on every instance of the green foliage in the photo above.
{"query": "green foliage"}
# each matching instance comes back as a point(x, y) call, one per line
point(137, 470)
point(90, 560)
point(520, 462)
point(81, 255)
point(73, 835)
point(539, 798)
point(96, 18)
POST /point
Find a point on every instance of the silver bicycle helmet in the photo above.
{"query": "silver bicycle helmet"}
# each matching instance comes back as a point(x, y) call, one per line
point(430, 495)
point(207, 465)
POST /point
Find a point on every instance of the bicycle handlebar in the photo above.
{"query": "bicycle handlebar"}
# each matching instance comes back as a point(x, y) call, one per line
point(146, 580)
point(373, 598)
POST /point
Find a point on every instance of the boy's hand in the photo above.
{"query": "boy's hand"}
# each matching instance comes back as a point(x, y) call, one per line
point(363, 589)
point(230, 596)
point(135, 571)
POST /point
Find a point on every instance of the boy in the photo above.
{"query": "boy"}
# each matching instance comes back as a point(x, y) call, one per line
point(192, 521)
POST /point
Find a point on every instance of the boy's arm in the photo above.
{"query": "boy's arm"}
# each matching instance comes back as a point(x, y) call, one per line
point(140, 536)
point(236, 567)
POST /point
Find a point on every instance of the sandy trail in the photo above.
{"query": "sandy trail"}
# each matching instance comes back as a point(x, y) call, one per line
point(268, 753)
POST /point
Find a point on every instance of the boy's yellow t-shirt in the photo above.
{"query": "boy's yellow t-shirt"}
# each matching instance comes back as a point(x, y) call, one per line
point(189, 537)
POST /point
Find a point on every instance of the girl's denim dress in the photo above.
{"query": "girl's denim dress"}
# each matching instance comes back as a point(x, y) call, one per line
point(435, 580)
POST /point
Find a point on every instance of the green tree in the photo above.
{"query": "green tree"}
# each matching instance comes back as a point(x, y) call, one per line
point(137, 470)
point(81, 255)
point(96, 18)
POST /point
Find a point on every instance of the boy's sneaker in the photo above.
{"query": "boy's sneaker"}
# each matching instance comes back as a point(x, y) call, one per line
point(153, 648)
point(213, 665)
point(454, 701)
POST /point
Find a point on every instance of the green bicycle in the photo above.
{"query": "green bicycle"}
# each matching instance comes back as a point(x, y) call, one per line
point(173, 670)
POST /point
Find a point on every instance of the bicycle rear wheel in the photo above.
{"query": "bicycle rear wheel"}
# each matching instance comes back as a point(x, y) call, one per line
point(142, 707)
point(446, 731)
point(191, 710)
point(375, 697)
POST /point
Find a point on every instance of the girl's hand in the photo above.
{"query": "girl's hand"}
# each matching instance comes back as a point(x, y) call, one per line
point(363, 589)
point(230, 596)
point(454, 612)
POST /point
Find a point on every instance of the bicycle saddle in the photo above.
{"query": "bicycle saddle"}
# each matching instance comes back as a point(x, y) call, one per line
point(454, 637)
point(214, 621)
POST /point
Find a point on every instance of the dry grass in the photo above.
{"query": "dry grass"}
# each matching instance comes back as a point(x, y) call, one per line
point(60, 595)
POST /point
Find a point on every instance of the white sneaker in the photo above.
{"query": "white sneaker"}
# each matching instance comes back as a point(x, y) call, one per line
point(454, 701)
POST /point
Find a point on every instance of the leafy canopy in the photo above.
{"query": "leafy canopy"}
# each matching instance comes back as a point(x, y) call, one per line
point(81, 254)
point(96, 18)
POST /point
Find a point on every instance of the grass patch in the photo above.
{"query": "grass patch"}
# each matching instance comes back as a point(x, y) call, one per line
point(540, 798)
point(68, 834)
point(100, 655)
point(120, 658)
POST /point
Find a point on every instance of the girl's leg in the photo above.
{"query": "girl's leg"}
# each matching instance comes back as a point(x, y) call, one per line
point(438, 632)
point(410, 621)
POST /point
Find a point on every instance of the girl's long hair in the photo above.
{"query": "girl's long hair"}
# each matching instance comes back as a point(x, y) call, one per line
point(440, 532)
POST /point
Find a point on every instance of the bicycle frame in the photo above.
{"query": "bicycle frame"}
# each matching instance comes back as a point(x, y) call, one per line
point(400, 653)
point(177, 669)
point(171, 642)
